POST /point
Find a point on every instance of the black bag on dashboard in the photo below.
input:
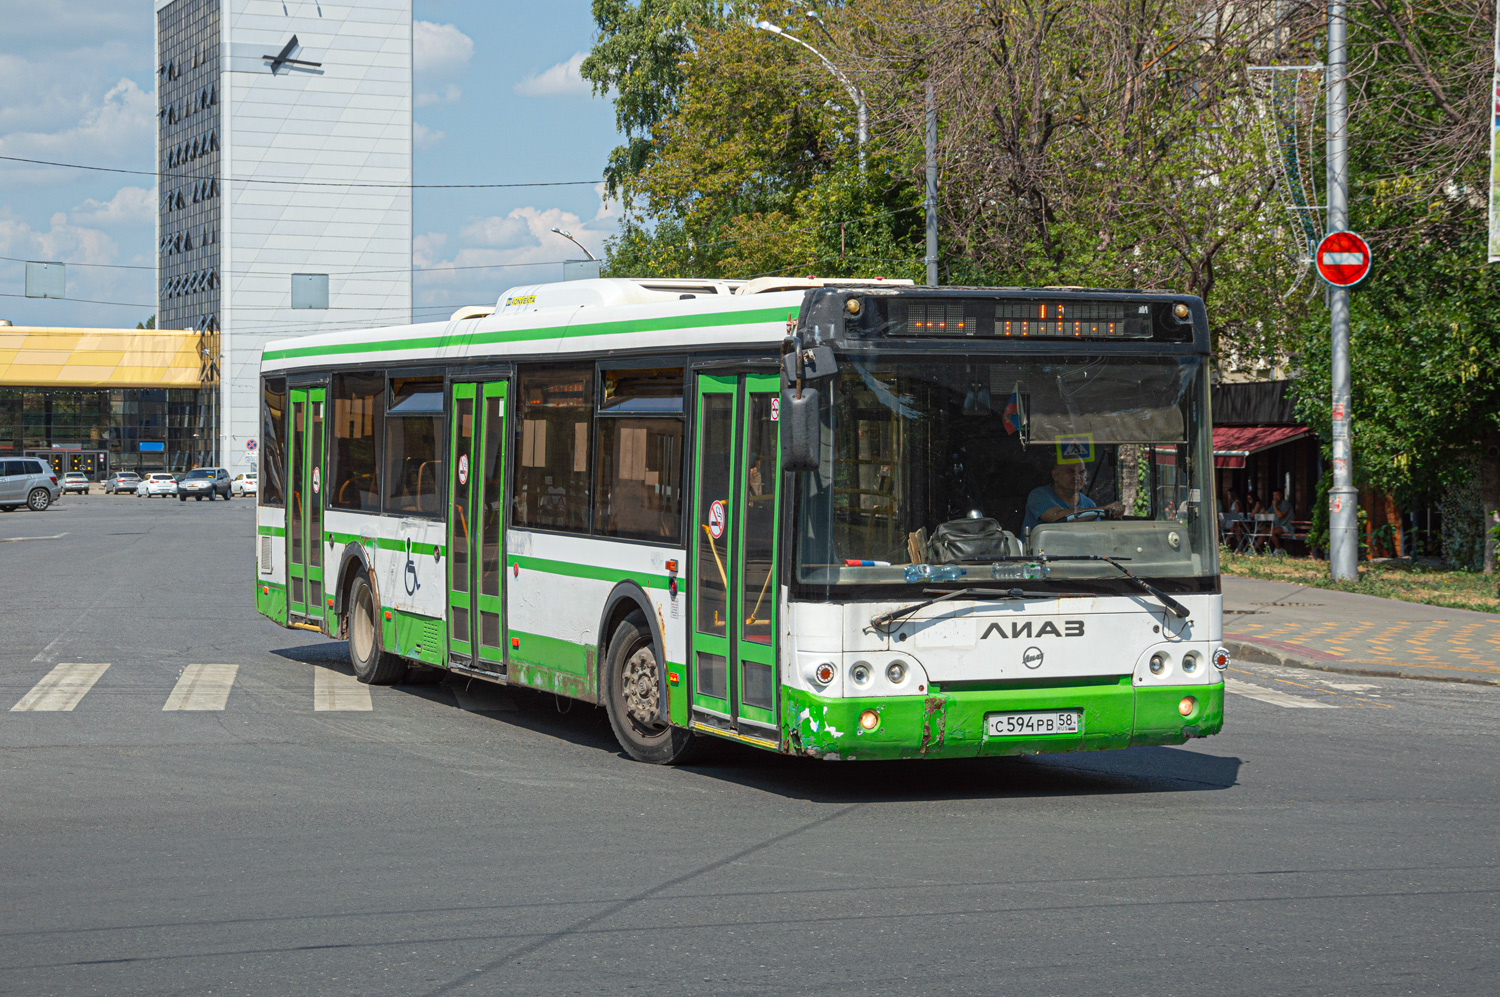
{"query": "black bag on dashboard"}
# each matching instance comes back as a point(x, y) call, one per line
point(971, 540)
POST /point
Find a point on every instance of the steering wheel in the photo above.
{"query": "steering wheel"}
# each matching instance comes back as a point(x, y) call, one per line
point(1085, 516)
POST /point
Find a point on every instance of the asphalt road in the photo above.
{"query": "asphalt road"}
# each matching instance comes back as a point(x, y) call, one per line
point(1339, 837)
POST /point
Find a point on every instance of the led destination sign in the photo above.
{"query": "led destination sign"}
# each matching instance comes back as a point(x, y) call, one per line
point(986, 316)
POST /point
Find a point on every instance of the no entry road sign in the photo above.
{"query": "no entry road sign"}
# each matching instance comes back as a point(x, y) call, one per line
point(1343, 258)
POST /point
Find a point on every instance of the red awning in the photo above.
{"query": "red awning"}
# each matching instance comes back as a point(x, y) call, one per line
point(1232, 444)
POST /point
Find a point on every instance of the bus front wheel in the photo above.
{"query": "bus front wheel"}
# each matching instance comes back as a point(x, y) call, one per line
point(371, 664)
point(632, 696)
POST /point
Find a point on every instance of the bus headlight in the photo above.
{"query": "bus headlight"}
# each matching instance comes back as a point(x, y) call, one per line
point(1190, 662)
point(895, 672)
point(860, 673)
point(1158, 663)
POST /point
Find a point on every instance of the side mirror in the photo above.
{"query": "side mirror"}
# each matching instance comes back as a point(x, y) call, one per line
point(801, 430)
point(815, 363)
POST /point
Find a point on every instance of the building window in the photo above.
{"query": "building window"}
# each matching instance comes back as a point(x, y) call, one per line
point(554, 409)
point(309, 290)
point(414, 447)
point(358, 425)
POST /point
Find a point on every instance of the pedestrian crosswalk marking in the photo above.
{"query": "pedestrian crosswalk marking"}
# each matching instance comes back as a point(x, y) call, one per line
point(202, 687)
point(336, 691)
point(1274, 696)
point(61, 688)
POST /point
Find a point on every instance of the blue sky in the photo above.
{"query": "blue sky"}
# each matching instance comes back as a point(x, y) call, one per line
point(498, 100)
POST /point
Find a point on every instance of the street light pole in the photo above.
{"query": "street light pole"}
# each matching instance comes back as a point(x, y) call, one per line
point(855, 93)
point(1343, 497)
point(932, 228)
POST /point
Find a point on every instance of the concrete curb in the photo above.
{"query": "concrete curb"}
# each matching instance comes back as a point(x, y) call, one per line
point(1242, 650)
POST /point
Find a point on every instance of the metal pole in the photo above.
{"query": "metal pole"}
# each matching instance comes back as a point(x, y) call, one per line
point(932, 245)
point(1343, 497)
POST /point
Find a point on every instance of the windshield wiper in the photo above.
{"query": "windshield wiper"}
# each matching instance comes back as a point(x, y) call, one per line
point(886, 619)
point(1176, 608)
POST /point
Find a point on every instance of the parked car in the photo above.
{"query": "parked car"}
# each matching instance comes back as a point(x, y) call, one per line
point(120, 482)
point(27, 481)
point(204, 483)
point(245, 484)
point(75, 481)
point(157, 483)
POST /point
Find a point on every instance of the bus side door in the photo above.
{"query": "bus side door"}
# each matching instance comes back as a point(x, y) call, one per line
point(476, 512)
point(304, 509)
point(736, 534)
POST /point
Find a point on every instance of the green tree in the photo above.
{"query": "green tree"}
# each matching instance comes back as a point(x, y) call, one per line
point(1425, 325)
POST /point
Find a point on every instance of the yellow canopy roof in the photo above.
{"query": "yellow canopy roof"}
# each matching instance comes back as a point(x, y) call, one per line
point(36, 356)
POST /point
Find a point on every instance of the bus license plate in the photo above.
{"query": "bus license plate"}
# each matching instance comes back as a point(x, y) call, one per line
point(1031, 724)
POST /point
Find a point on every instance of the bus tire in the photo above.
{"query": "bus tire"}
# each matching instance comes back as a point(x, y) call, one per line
point(371, 663)
point(632, 662)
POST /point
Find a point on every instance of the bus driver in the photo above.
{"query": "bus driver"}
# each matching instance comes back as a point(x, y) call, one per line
point(1064, 497)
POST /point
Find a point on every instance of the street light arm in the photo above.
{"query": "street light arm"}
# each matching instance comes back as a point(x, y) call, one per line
point(855, 93)
point(569, 237)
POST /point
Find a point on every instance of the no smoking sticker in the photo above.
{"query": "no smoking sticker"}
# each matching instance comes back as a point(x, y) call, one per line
point(716, 519)
point(775, 409)
point(463, 469)
point(317, 481)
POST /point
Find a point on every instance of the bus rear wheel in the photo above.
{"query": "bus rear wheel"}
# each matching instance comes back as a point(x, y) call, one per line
point(371, 664)
point(632, 697)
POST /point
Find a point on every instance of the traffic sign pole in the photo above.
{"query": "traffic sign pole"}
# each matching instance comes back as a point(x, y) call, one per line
point(1343, 498)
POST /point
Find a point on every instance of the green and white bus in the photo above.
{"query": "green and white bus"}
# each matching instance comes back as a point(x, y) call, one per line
point(840, 519)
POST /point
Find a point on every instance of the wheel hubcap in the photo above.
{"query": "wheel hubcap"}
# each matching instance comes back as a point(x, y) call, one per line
point(362, 629)
point(641, 687)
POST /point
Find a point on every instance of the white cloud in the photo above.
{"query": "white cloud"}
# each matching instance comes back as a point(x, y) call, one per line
point(129, 206)
point(450, 95)
point(124, 119)
point(439, 49)
point(561, 80)
point(424, 137)
point(506, 250)
point(62, 241)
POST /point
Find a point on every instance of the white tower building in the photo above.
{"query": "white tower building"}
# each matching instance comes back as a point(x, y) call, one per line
point(284, 137)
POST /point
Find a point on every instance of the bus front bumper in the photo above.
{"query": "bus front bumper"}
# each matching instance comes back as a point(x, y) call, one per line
point(951, 724)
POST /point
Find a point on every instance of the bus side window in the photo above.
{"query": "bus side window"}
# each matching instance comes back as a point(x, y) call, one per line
point(414, 447)
point(272, 442)
point(554, 410)
point(358, 424)
point(639, 474)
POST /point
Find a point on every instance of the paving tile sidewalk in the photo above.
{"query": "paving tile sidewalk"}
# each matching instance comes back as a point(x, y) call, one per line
point(1280, 623)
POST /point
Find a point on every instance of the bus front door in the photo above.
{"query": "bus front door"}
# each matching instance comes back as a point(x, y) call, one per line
point(476, 506)
point(736, 533)
point(304, 510)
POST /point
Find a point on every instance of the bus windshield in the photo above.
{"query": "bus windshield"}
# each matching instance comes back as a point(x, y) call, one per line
point(1029, 471)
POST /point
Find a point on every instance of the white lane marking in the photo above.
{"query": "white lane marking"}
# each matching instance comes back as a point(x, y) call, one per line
point(336, 691)
point(16, 540)
point(61, 688)
point(1349, 686)
point(1274, 696)
point(202, 687)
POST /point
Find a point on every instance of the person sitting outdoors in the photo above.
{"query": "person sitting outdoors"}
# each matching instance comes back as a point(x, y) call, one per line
point(1063, 498)
point(1281, 526)
point(1234, 515)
